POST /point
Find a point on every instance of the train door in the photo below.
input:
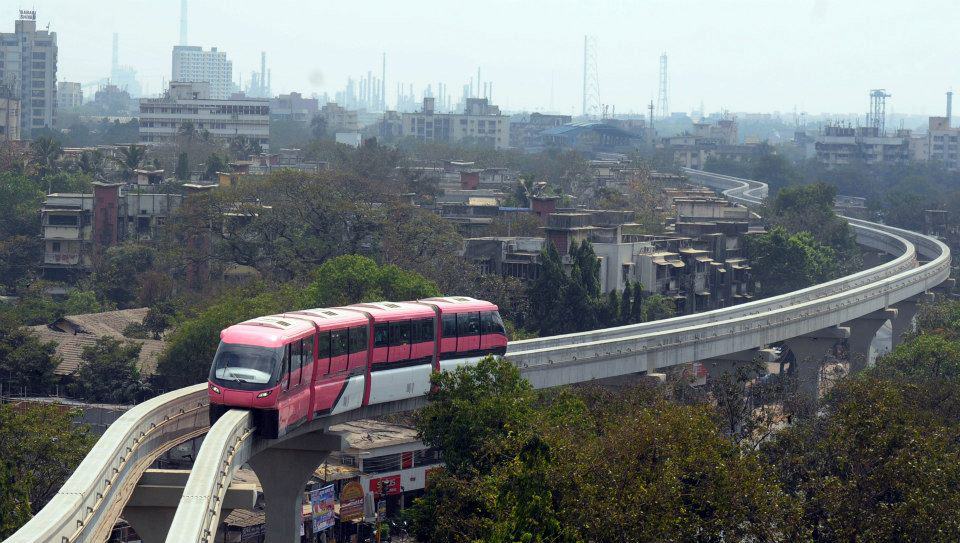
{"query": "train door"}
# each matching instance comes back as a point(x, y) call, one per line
point(298, 391)
point(399, 341)
point(448, 334)
point(468, 332)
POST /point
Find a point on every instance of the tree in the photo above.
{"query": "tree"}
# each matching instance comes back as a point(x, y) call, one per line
point(783, 263)
point(547, 289)
point(625, 307)
point(636, 311)
point(116, 270)
point(14, 500)
point(92, 163)
point(40, 446)
point(80, 302)
point(609, 314)
point(242, 148)
point(130, 158)
point(182, 172)
point(214, 164)
point(110, 373)
point(351, 279)
point(46, 152)
point(318, 127)
point(26, 363)
point(657, 307)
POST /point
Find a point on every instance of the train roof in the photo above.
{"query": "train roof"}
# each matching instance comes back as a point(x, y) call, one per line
point(459, 303)
point(330, 317)
point(269, 331)
point(386, 310)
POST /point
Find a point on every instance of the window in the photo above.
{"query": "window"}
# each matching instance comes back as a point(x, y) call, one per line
point(422, 330)
point(358, 339)
point(490, 323)
point(308, 350)
point(381, 335)
point(296, 357)
point(449, 325)
point(338, 343)
point(399, 333)
point(55, 247)
point(62, 220)
point(285, 367)
point(468, 324)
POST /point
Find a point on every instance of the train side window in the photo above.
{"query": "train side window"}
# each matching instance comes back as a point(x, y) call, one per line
point(307, 355)
point(323, 345)
point(498, 326)
point(491, 323)
point(468, 324)
point(338, 343)
point(358, 339)
point(422, 330)
point(296, 359)
point(381, 335)
point(449, 321)
point(399, 333)
point(285, 365)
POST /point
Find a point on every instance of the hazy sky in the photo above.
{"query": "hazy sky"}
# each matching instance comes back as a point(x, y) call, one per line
point(741, 55)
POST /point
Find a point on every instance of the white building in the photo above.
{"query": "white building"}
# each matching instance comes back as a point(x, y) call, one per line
point(28, 67)
point(192, 63)
point(69, 95)
point(481, 122)
point(190, 103)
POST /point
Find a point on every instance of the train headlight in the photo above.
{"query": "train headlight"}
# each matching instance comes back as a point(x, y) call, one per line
point(264, 394)
point(215, 389)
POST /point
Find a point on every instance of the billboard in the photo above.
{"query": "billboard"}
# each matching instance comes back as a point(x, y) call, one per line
point(321, 507)
point(351, 502)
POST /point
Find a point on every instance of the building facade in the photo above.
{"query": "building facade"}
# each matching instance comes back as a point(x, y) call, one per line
point(293, 107)
point(192, 63)
point(75, 226)
point(480, 122)
point(9, 117)
point(28, 67)
point(189, 103)
point(69, 95)
point(841, 145)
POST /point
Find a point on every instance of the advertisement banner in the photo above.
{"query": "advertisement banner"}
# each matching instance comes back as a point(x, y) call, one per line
point(321, 505)
point(390, 485)
point(351, 501)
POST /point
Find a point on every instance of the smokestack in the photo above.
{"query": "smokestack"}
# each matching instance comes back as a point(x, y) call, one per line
point(383, 84)
point(269, 92)
point(263, 73)
point(183, 22)
point(949, 106)
point(116, 56)
point(478, 82)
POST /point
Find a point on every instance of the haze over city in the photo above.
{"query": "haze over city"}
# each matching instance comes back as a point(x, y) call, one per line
point(813, 55)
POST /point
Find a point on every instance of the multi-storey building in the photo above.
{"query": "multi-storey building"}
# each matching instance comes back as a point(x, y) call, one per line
point(192, 63)
point(69, 95)
point(9, 115)
point(942, 143)
point(28, 67)
point(339, 119)
point(480, 122)
point(75, 226)
point(189, 103)
point(840, 145)
point(293, 107)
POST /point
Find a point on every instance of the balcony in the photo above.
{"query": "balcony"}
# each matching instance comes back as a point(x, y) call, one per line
point(61, 232)
point(62, 259)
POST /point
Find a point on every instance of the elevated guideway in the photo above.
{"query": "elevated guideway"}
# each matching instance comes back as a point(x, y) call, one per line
point(95, 494)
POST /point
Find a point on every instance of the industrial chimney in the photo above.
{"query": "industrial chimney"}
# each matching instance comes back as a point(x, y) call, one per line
point(949, 106)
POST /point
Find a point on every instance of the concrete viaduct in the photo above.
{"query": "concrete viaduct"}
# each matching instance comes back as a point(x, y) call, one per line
point(114, 480)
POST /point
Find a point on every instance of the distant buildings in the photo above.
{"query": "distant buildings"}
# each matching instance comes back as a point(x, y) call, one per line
point(28, 67)
point(941, 144)
point(193, 64)
point(190, 104)
point(480, 123)
point(719, 140)
point(76, 226)
point(339, 119)
point(69, 95)
point(589, 138)
point(293, 107)
point(838, 145)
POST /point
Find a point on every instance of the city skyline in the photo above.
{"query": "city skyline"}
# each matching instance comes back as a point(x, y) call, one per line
point(712, 49)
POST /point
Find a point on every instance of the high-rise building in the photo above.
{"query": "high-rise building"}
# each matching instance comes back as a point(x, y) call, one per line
point(69, 95)
point(193, 64)
point(28, 66)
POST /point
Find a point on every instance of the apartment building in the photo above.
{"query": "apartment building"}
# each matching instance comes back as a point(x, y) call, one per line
point(293, 107)
point(9, 116)
point(190, 102)
point(69, 95)
point(193, 64)
point(838, 145)
point(339, 118)
point(74, 226)
point(480, 122)
point(28, 67)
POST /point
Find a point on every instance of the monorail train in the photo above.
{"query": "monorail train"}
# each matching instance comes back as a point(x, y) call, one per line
point(293, 367)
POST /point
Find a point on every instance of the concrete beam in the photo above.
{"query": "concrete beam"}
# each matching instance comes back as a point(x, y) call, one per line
point(731, 363)
point(154, 502)
point(862, 332)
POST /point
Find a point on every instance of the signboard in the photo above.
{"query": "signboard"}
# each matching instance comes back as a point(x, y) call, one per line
point(351, 501)
point(321, 508)
point(391, 485)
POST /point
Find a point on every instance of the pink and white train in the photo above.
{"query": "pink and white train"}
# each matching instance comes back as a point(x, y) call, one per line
point(293, 367)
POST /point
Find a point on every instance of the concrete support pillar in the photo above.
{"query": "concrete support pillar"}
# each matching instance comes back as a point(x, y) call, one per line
point(906, 311)
point(283, 470)
point(862, 332)
point(154, 502)
point(809, 351)
point(731, 363)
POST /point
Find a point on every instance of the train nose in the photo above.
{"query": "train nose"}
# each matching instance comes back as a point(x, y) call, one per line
point(239, 398)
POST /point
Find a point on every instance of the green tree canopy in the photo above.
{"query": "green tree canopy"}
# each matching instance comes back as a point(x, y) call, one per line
point(351, 279)
point(109, 373)
point(25, 361)
point(783, 263)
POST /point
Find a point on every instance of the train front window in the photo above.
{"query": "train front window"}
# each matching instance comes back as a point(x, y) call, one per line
point(246, 367)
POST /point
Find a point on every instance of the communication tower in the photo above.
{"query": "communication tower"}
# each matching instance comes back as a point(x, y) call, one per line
point(663, 108)
point(877, 116)
point(591, 80)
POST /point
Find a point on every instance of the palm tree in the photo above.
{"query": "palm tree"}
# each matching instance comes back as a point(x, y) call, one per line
point(242, 147)
point(92, 163)
point(46, 152)
point(130, 158)
point(187, 131)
